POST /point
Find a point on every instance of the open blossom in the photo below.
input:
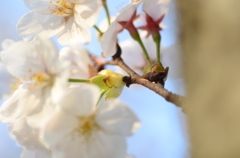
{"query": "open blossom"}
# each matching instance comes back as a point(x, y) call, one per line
point(170, 57)
point(68, 19)
point(27, 137)
point(109, 38)
point(41, 74)
point(155, 9)
point(80, 128)
point(81, 65)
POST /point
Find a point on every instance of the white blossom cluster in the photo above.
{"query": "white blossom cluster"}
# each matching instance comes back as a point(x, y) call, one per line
point(46, 114)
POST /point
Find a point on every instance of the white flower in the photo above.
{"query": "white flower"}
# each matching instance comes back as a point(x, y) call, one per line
point(78, 128)
point(109, 38)
point(81, 64)
point(28, 138)
point(68, 19)
point(42, 74)
point(170, 57)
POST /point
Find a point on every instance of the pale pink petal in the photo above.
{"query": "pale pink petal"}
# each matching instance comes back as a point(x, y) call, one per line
point(35, 153)
point(88, 10)
point(156, 8)
point(24, 102)
point(80, 60)
point(103, 144)
point(75, 31)
point(6, 44)
point(132, 54)
point(172, 57)
point(72, 147)
point(5, 81)
point(24, 134)
point(31, 24)
point(115, 117)
point(40, 6)
point(109, 38)
point(80, 101)
point(25, 58)
point(58, 125)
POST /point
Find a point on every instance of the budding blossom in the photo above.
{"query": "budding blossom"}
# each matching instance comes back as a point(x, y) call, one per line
point(68, 19)
point(170, 57)
point(81, 127)
point(152, 8)
point(110, 82)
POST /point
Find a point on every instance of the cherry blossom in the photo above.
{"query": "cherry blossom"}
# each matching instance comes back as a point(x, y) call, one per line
point(27, 137)
point(42, 74)
point(77, 127)
point(68, 19)
point(109, 38)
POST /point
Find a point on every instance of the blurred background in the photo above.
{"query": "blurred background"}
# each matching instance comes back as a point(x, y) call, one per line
point(163, 133)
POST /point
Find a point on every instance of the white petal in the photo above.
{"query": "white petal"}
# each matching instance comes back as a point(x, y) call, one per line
point(103, 26)
point(7, 43)
point(78, 56)
point(80, 101)
point(75, 31)
point(156, 8)
point(24, 134)
point(99, 144)
point(132, 54)
point(115, 117)
point(59, 125)
point(71, 147)
point(88, 10)
point(4, 84)
point(23, 102)
point(127, 12)
point(38, 120)
point(48, 55)
point(31, 24)
point(39, 6)
point(109, 40)
point(35, 153)
point(25, 58)
point(172, 57)
point(106, 145)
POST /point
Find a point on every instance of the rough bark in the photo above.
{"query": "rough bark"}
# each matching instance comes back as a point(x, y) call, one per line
point(210, 38)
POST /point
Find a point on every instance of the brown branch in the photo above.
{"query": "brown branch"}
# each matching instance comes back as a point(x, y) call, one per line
point(156, 87)
point(137, 79)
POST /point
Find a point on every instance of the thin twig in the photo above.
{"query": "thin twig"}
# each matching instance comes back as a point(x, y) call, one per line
point(156, 87)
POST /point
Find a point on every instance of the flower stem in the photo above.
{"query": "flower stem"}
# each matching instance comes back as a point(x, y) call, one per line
point(104, 3)
point(100, 96)
point(78, 80)
point(98, 30)
point(138, 39)
point(157, 40)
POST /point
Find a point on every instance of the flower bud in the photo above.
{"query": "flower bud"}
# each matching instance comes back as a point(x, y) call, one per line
point(110, 82)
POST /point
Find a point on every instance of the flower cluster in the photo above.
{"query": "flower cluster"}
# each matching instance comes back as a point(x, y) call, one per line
point(51, 112)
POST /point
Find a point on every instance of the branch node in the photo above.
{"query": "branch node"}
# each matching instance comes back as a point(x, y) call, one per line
point(127, 80)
